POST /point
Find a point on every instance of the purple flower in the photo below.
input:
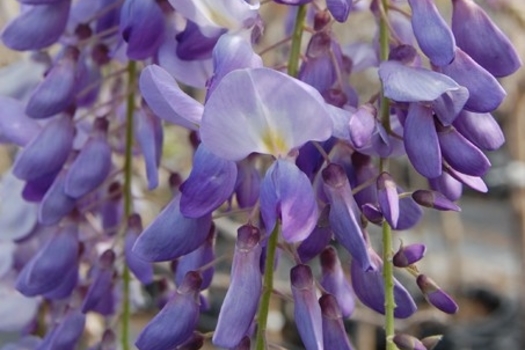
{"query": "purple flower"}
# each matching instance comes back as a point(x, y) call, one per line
point(334, 333)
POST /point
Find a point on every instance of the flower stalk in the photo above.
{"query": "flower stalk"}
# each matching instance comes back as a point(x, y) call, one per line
point(295, 51)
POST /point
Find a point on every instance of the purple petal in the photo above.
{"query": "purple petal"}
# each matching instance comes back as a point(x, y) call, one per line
point(92, 165)
point(192, 45)
point(485, 92)
point(370, 289)
point(177, 320)
point(15, 126)
point(142, 27)
point(317, 240)
point(240, 304)
point(433, 199)
point(248, 184)
point(66, 286)
point(501, 59)
point(141, 269)
point(447, 185)
point(436, 296)
point(171, 234)
point(231, 52)
point(37, 27)
point(335, 282)
point(68, 332)
point(432, 32)
point(409, 212)
point(424, 156)
point(449, 105)
point(307, 312)
point(334, 333)
point(46, 269)
point(474, 182)
point(100, 289)
point(167, 100)
point(344, 214)
point(362, 125)
point(47, 152)
point(408, 255)
point(480, 129)
point(340, 9)
point(150, 135)
point(411, 84)
point(286, 193)
point(461, 154)
point(265, 120)
point(387, 198)
point(16, 310)
point(56, 204)
point(211, 183)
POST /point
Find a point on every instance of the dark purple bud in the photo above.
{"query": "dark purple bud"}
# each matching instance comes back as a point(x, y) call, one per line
point(55, 204)
point(340, 9)
point(141, 269)
point(335, 282)
point(424, 156)
point(193, 45)
point(171, 234)
point(37, 27)
point(307, 312)
point(248, 184)
point(490, 47)
point(387, 198)
point(150, 135)
point(211, 183)
point(461, 154)
point(57, 91)
point(334, 333)
point(408, 342)
point(240, 304)
point(432, 341)
point(175, 323)
point(436, 296)
point(46, 270)
point(408, 255)
point(432, 32)
point(433, 199)
point(101, 283)
point(142, 27)
point(344, 214)
point(193, 261)
point(92, 165)
point(318, 239)
point(480, 129)
point(287, 194)
point(370, 289)
point(447, 185)
point(485, 92)
point(15, 126)
point(47, 152)
point(67, 333)
point(372, 214)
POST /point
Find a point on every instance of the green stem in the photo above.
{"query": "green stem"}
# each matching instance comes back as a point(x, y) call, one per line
point(295, 50)
point(264, 305)
point(388, 267)
point(128, 204)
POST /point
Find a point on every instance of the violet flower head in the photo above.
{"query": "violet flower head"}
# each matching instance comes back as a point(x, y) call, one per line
point(240, 304)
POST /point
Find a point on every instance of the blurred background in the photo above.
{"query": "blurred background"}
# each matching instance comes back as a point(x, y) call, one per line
point(478, 255)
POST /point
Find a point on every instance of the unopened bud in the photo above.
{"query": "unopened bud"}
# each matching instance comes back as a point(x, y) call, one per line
point(434, 199)
point(436, 296)
point(408, 342)
point(410, 254)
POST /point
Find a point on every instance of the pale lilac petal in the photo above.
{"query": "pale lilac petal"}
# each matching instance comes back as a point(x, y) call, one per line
point(231, 52)
point(37, 27)
point(480, 129)
point(286, 193)
point(211, 182)
point(150, 135)
point(362, 125)
point(362, 54)
point(46, 153)
point(449, 105)
point(167, 100)
point(252, 110)
point(485, 92)
point(15, 126)
point(461, 154)
point(432, 32)
point(340, 120)
point(412, 84)
point(171, 235)
point(16, 310)
point(216, 14)
point(490, 47)
point(240, 304)
point(388, 198)
point(56, 203)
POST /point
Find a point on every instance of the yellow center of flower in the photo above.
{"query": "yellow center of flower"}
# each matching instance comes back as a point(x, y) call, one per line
point(275, 143)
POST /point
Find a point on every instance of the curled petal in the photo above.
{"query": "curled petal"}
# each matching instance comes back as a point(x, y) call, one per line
point(167, 100)
point(171, 234)
point(240, 304)
point(265, 120)
point(432, 32)
point(37, 27)
point(211, 182)
point(408, 342)
point(467, 18)
point(286, 193)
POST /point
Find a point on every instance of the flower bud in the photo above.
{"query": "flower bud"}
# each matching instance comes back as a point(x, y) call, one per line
point(388, 198)
point(433, 199)
point(334, 333)
point(101, 286)
point(436, 296)
point(408, 255)
point(408, 342)
point(432, 341)
point(334, 281)
point(372, 214)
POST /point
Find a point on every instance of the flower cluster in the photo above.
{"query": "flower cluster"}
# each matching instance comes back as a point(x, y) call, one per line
point(293, 153)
